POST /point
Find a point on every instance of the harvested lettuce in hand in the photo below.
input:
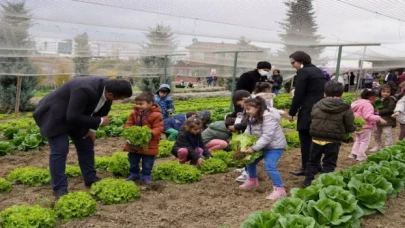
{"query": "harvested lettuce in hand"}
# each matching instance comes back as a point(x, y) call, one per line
point(240, 143)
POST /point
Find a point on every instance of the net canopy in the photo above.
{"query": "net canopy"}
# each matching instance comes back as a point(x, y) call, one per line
point(198, 38)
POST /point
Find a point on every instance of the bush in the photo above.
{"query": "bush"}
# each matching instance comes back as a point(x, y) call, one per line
point(76, 205)
point(101, 163)
point(213, 165)
point(23, 216)
point(113, 191)
point(173, 171)
point(119, 164)
point(30, 176)
point(73, 171)
point(5, 185)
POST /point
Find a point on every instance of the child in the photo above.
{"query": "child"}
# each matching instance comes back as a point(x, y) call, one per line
point(263, 89)
point(205, 117)
point(172, 125)
point(385, 112)
point(217, 135)
point(189, 145)
point(331, 118)
point(375, 83)
point(399, 114)
point(265, 123)
point(164, 101)
point(145, 113)
point(363, 108)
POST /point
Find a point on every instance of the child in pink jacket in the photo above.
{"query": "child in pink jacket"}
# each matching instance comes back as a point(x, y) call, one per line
point(363, 108)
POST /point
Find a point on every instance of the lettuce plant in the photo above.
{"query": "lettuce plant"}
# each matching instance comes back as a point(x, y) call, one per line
point(213, 165)
point(119, 164)
point(100, 133)
point(22, 216)
point(261, 219)
point(30, 176)
point(391, 175)
point(293, 139)
point(73, 171)
point(326, 212)
point(328, 179)
point(5, 148)
point(5, 185)
point(241, 142)
point(114, 191)
point(288, 205)
point(384, 155)
point(370, 198)
point(173, 171)
point(227, 157)
point(138, 136)
point(295, 220)
point(376, 180)
point(10, 131)
point(309, 193)
point(165, 148)
point(101, 162)
point(75, 205)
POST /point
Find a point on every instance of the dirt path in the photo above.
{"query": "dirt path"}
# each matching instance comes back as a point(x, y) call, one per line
point(213, 202)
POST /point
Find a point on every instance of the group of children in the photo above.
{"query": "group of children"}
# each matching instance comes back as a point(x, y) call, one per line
point(332, 119)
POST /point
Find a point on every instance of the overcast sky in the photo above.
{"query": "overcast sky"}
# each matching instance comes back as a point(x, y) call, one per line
point(221, 20)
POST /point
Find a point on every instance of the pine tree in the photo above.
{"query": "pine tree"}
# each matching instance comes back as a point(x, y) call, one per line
point(82, 54)
point(161, 42)
point(16, 47)
point(300, 29)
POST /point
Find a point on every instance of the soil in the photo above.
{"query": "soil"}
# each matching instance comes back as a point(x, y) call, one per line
point(215, 201)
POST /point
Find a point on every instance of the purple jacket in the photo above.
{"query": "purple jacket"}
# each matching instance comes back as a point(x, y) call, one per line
point(174, 122)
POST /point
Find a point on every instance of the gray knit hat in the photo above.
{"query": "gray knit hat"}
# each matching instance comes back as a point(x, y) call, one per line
point(205, 115)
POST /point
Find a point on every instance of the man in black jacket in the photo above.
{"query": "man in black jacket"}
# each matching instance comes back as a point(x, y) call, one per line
point(77, 109)
point(247, 81)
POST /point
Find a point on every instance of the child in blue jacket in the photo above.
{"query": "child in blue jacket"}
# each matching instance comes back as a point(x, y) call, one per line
point(164, 101)
point(172, 125)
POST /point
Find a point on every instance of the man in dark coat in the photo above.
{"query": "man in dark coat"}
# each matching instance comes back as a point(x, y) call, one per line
point(77, 109)
point(309, 89)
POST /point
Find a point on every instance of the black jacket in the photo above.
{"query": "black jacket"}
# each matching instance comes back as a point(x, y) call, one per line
point(309, 90)
point(247, 81)
point(331, 120)
point(278, 81)
point(190, 142)
point(71, 106)
point(387, 110)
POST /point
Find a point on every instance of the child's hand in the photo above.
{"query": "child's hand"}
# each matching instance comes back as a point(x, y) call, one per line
point(249, 150)
point(382, 121)
point(395, 115)
point(200, 161)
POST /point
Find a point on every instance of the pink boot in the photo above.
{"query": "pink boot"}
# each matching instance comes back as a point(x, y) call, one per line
point(278, 192)
point(250, 184)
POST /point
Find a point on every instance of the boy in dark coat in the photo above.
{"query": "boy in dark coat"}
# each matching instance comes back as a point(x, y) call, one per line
point(332, 119)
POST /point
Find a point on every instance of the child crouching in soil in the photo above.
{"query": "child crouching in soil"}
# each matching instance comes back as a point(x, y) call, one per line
point(189, 145)
point(145, 113)
point(218, 135)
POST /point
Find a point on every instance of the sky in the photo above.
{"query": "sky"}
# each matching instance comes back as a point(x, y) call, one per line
point(339, 21)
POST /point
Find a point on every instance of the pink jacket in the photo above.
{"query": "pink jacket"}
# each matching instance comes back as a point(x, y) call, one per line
point(364, 109)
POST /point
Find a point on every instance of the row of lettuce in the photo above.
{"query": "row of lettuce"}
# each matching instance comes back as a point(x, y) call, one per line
point(339, 199)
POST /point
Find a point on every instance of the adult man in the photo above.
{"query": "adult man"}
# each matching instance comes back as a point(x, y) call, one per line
point(247, 81)
point(77, 109)
point(391, 77)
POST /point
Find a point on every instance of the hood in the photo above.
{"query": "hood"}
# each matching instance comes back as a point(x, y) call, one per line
point(153, 108)
point(218, 125)
point(357, 104)
point(266, 96)
point(163, 86)
point(333, 105)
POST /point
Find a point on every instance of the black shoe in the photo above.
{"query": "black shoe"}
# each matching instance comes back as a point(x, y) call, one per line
point(306, 183)
point(89, 183)
point(59, 193)
point(299, 172)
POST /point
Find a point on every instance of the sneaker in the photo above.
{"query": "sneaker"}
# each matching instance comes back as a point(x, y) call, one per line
point(376, 148)
point(278, 193)
point(250, 184)
point(361, 158)
point(306, 183)
point(352, 156)
point(133, 177)
point(239, 170)
point(146, 180)
point(242, 178)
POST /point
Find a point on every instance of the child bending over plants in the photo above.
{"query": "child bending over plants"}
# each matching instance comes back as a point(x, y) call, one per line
point(172, 125)
point(189, 145)
point(332, 119)
point(218, 134)
point(145, 114)
point(264, 122)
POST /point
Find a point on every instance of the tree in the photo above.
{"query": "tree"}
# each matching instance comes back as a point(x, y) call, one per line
point(82, 54)
point(300, 29)
point(16, 47)
point(161, 42)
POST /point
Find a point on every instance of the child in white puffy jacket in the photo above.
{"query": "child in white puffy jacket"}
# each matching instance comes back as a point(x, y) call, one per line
point(263, 90)
point(399, 114)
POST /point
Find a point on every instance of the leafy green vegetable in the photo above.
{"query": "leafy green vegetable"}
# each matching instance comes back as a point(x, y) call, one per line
point(370, 198)
point(173, 171)
point(378, 104)
point(309, 193)
point(288, 124)
point(23, 216)
point(376, 180)
point(328, 179)
point(113, 131)
point(293, 139)
point(288, 205)
point(138, 136)
point(213, 165)
point(246, 158)
point(30, 176)
point(5, 148)
point(73, 171)
point(5, 185)
point(326, 212)
point(356, 169)
point(113, 191)
point(75, 205)
point(119, 164)
point(384, 155)
point(101, 163)
point(10, 131)
point(116, 121)
point(241, 142)
point(165, 148)
point(391, 175)
point(227, 157)
point(359, 123)
point(261, 219)
point(100, 133)
point(296, 221)
point(336, 193)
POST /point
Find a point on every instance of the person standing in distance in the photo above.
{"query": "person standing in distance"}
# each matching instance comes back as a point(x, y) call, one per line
point(77, 109)
point(309, 89)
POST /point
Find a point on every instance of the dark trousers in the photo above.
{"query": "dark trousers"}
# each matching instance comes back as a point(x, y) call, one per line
point(305, 141)
point(402, 133)
point(346, 87)
point(147, 164)
point(59, 146)
point(330, 152)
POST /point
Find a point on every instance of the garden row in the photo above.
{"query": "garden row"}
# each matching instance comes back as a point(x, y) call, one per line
point(340, 199)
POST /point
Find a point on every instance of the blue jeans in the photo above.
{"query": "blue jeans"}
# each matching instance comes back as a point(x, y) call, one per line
point(275, 91)
point(59, 146)
point(147, 164)
point(271, 158)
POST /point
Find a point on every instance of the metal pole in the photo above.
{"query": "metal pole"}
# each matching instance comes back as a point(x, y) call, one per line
point(361, 68)
point(235, 63)
point(338, 62)
point(18, 96)
point(165, 81)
